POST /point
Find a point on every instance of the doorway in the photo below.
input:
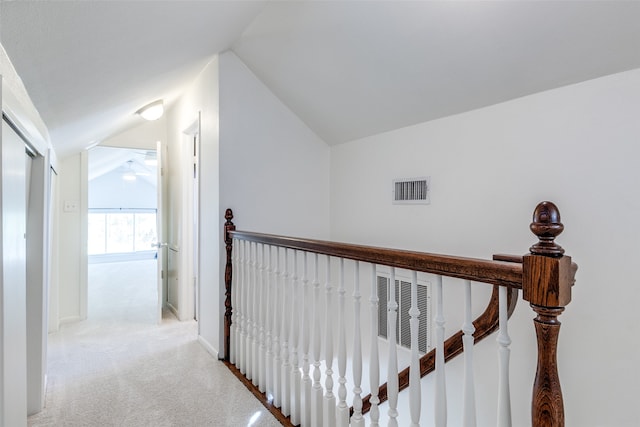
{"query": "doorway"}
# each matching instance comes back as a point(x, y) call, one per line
point(122, 235)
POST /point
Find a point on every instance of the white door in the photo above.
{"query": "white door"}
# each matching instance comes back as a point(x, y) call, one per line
point(162, 246)
point(13, 334)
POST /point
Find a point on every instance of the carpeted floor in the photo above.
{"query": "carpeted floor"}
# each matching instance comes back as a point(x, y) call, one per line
point(119, 368)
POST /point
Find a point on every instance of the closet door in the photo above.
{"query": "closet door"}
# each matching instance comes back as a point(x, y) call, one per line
point(37, 279)
point(13, 371)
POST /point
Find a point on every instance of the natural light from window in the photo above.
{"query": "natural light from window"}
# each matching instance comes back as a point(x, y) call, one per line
point(121, 232)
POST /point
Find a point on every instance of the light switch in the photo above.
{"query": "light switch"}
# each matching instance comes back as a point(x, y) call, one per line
point(70, 206)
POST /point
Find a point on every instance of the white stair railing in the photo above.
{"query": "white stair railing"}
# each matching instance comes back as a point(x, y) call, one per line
point(415, 389)
point(262, 349)
point(469, 396)
point(342, 412)
point(329, 404)
point(268, 324)
point(276, 325)
point(295, 326)
point(374, 356)
point(255, 352)
point(279, 314)
point(316, 404)
point(440, 383)
point(285, 331)
point(306, 334)
point(504, 341)
point(357, 420)
point(392, 380)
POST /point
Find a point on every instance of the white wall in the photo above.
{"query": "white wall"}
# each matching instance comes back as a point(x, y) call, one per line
point(72, 267)
point(273, 168)
point(576, 146)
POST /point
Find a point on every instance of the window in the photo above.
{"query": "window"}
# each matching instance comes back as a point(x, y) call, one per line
point(121, 232)
point(402, 290)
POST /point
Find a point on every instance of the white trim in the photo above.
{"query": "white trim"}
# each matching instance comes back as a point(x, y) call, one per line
point(69, 319)
point(84, 233)
point(173, 310)
point(18, 116)
point(207, 346)
point(189, 258)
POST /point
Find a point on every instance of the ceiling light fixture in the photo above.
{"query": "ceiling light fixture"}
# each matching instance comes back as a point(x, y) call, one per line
point(152, 111)
point(129, 174)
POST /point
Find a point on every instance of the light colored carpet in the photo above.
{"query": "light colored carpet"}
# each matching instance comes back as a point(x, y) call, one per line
point(119, 368)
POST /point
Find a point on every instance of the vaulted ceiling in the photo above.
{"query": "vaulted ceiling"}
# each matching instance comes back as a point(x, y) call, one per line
point(349, 69)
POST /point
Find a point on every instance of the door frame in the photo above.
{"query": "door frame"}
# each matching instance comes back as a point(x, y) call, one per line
point(190, 254)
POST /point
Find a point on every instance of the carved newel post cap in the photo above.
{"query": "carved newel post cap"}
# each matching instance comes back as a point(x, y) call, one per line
point(547, 226)
point(228, 215)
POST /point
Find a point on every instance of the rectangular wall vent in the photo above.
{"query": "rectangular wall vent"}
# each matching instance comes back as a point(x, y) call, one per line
point(402, 290)
point(412, 191)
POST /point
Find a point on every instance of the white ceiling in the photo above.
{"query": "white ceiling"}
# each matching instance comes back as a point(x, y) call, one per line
point(89, 65)
point(349, 69)
point(104, 160)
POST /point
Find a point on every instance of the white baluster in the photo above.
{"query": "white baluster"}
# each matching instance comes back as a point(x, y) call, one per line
point(268, 314)
point(295, 325)
point(415, 390)
point(239, 307)
point(262, 351)
point(316, 404)
point(329, 416)
point(469, 399)
point(243, 315)
point(374, 360)
point(278, 309)
point(234, 290)
point(441, 391)
point(306, 332)
point(342, 412)
point(392, 380)
point(504, 341)
point(255, 353)
point(249, 315)
point(357, 419)
point(286, 367)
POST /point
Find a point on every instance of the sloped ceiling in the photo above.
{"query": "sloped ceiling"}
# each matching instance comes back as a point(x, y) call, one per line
point(104, 160)
point(352, 69)
point(349, 69)
point(89, 65)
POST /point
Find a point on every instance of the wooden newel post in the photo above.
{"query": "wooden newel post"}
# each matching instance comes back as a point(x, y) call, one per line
point(547, 280)
point(228, 273)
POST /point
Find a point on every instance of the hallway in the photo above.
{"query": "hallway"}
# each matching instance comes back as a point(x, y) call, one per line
point(119, 368)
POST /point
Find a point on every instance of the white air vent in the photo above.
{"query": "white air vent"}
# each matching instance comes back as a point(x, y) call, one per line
point(413, 191)
point(403, 297)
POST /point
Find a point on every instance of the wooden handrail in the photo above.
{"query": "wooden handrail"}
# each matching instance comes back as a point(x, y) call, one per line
point(480, 270)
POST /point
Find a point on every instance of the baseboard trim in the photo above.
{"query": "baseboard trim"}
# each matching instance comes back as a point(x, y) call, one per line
point(207, 346)
point(70, 319)
point(173, 310)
